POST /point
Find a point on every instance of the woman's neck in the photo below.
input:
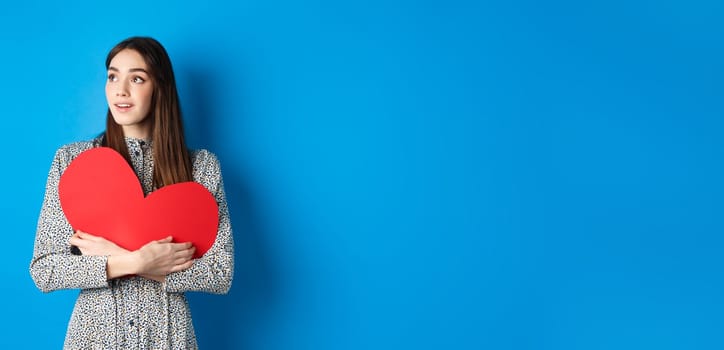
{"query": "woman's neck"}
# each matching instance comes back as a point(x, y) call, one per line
point(137, 132)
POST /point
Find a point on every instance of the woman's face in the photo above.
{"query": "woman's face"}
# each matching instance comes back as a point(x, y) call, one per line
point(129, 91)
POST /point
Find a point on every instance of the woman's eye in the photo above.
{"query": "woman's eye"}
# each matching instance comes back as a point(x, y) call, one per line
point(138, 80)
point(112, 77)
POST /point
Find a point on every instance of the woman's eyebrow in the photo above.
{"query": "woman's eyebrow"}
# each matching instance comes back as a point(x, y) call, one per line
point(130, 70)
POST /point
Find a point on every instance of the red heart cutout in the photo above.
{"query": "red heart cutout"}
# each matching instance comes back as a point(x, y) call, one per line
point(100, 194)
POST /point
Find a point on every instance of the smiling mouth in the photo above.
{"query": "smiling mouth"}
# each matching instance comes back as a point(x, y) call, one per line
point(123, 105)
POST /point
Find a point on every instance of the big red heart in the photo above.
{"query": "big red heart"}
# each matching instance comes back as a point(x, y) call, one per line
point(101, 195)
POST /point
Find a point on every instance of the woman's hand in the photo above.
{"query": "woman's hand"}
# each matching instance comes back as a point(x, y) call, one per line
point(154, 260)
point(159, 258)
point(95, 245)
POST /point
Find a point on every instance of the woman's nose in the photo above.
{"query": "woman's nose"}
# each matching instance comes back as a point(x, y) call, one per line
point(122, 90)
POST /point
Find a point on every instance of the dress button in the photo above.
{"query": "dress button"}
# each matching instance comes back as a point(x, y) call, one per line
point(137, 153)
point(131, 323)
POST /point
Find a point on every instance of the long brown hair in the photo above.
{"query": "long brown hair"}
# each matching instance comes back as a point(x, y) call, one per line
point(171, 159)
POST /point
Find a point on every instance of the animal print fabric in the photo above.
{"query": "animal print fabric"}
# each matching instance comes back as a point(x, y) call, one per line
point(128, 312)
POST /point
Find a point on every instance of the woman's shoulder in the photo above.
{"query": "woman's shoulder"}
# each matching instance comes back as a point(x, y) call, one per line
point(206, 168)
point(203, 158)
point(71, 150)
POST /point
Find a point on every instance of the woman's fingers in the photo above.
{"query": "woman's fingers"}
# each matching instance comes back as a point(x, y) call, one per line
point(85, 235)
point(79, 240)
point(162, 257)
point(181, 258)
point(178, 262)
point(181, 246)
point(88, 236)
point(181, 267)
point(76, 241)
point(165, 240)
point(184, 247)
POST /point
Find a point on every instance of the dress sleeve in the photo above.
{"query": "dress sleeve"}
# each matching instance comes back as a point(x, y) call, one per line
point(213, 272)
point(53, 266)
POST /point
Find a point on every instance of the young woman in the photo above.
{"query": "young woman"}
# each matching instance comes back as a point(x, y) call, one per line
point(134, 299)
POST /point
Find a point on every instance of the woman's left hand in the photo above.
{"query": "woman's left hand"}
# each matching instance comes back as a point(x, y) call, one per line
point(95, 245)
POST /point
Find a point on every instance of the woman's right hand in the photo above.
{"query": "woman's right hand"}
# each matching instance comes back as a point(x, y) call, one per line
point(159, 258)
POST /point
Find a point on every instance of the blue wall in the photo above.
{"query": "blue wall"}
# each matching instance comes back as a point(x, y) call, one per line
point(411, 174)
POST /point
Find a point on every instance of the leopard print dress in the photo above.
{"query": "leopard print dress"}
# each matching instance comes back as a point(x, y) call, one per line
point(128, 312)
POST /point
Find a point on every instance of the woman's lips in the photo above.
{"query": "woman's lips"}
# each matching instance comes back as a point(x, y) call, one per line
point(123, 107)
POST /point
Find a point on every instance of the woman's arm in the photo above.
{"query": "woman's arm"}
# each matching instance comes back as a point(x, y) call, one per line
point(214, 271)
point(153, 261)
point(53, 266)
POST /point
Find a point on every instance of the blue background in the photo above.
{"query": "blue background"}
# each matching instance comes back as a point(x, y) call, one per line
point(410, 174)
